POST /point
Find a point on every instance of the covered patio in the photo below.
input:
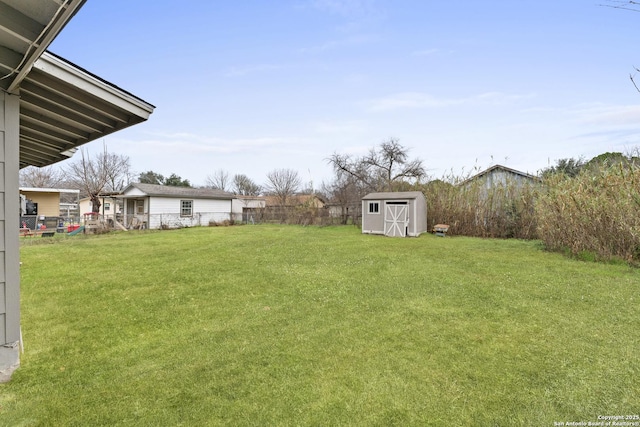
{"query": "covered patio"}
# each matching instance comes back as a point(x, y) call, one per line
point(48, 108)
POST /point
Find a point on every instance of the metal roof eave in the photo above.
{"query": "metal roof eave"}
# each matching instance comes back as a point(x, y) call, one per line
point(64, 106)
point(63, 70)
point(42, 42)
point(61, 105)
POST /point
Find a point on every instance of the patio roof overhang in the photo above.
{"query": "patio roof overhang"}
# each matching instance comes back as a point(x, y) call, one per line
point(62, 106)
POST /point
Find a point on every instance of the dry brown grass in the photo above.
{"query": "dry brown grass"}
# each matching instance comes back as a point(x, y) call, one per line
point(471, 209)
point(596, 213)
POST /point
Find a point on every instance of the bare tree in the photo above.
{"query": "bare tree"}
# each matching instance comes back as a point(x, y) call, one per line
point(118, 171)
point(384, 168)
point(283, 183)
point(244, 186)
point(346, 193)
point(45, 177)
point(391, 162)
point(219, 180)
point(92, 176)
point(343, 164)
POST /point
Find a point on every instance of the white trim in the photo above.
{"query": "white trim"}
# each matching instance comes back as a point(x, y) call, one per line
point(371, 202)
point(100, 89)
point(48, 190)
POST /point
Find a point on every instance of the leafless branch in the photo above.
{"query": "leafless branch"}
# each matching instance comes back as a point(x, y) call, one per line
point(219, 180)
point(283, 183)
point(244, 186)
point(633, 6)
point(632, 77)
point(44, 177)
point(105, 172)
point(382, 169)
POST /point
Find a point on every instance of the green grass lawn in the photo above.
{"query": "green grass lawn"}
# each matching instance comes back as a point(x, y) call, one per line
point(283, 325)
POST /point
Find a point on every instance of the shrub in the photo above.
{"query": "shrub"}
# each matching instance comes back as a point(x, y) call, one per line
point(224, 223)
point(472, 209)
point(595, 212)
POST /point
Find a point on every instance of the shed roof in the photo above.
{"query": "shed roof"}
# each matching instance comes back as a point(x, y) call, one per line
point(170, 191)
point(394, 195)
point(62, 106)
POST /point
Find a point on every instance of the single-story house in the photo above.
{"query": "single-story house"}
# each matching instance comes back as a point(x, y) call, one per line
point(48, 108)
point(500, 175)
point(109, 206)
point(162, 206)
point(395, 214)
point(249, 208)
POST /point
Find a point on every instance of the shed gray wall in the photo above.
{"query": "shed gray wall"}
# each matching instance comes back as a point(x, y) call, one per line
point(420, 219)
point(372, 223)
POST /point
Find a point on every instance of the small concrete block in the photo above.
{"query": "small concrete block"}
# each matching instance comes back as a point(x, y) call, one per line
point(9, 360)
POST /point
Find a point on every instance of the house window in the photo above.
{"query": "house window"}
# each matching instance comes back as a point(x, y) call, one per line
point(374, 207)
point(186, 207)
point(107, 206)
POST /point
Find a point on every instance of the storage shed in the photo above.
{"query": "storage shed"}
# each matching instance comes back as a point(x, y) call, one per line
point(394, 214)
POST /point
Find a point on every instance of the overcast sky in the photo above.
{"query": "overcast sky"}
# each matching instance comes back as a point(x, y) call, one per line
point(249, 86)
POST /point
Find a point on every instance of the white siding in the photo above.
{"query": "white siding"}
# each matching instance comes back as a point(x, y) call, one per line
point(85, 206)
point(165, 212)
point(134, 192)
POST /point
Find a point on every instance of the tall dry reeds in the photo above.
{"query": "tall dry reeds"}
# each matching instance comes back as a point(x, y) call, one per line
point(473, 208)
point(597, 212)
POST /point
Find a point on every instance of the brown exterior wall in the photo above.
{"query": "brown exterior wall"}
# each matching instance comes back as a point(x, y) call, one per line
point(48, 202)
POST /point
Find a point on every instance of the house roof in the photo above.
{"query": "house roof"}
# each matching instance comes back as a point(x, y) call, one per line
point(48, 190)
point(393, 195)
point(243, 197)
point(502, 168)
point(296, 200)
point(62, 106)
point(181, 192)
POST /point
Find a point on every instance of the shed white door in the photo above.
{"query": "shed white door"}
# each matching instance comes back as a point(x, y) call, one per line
point(396, 219)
